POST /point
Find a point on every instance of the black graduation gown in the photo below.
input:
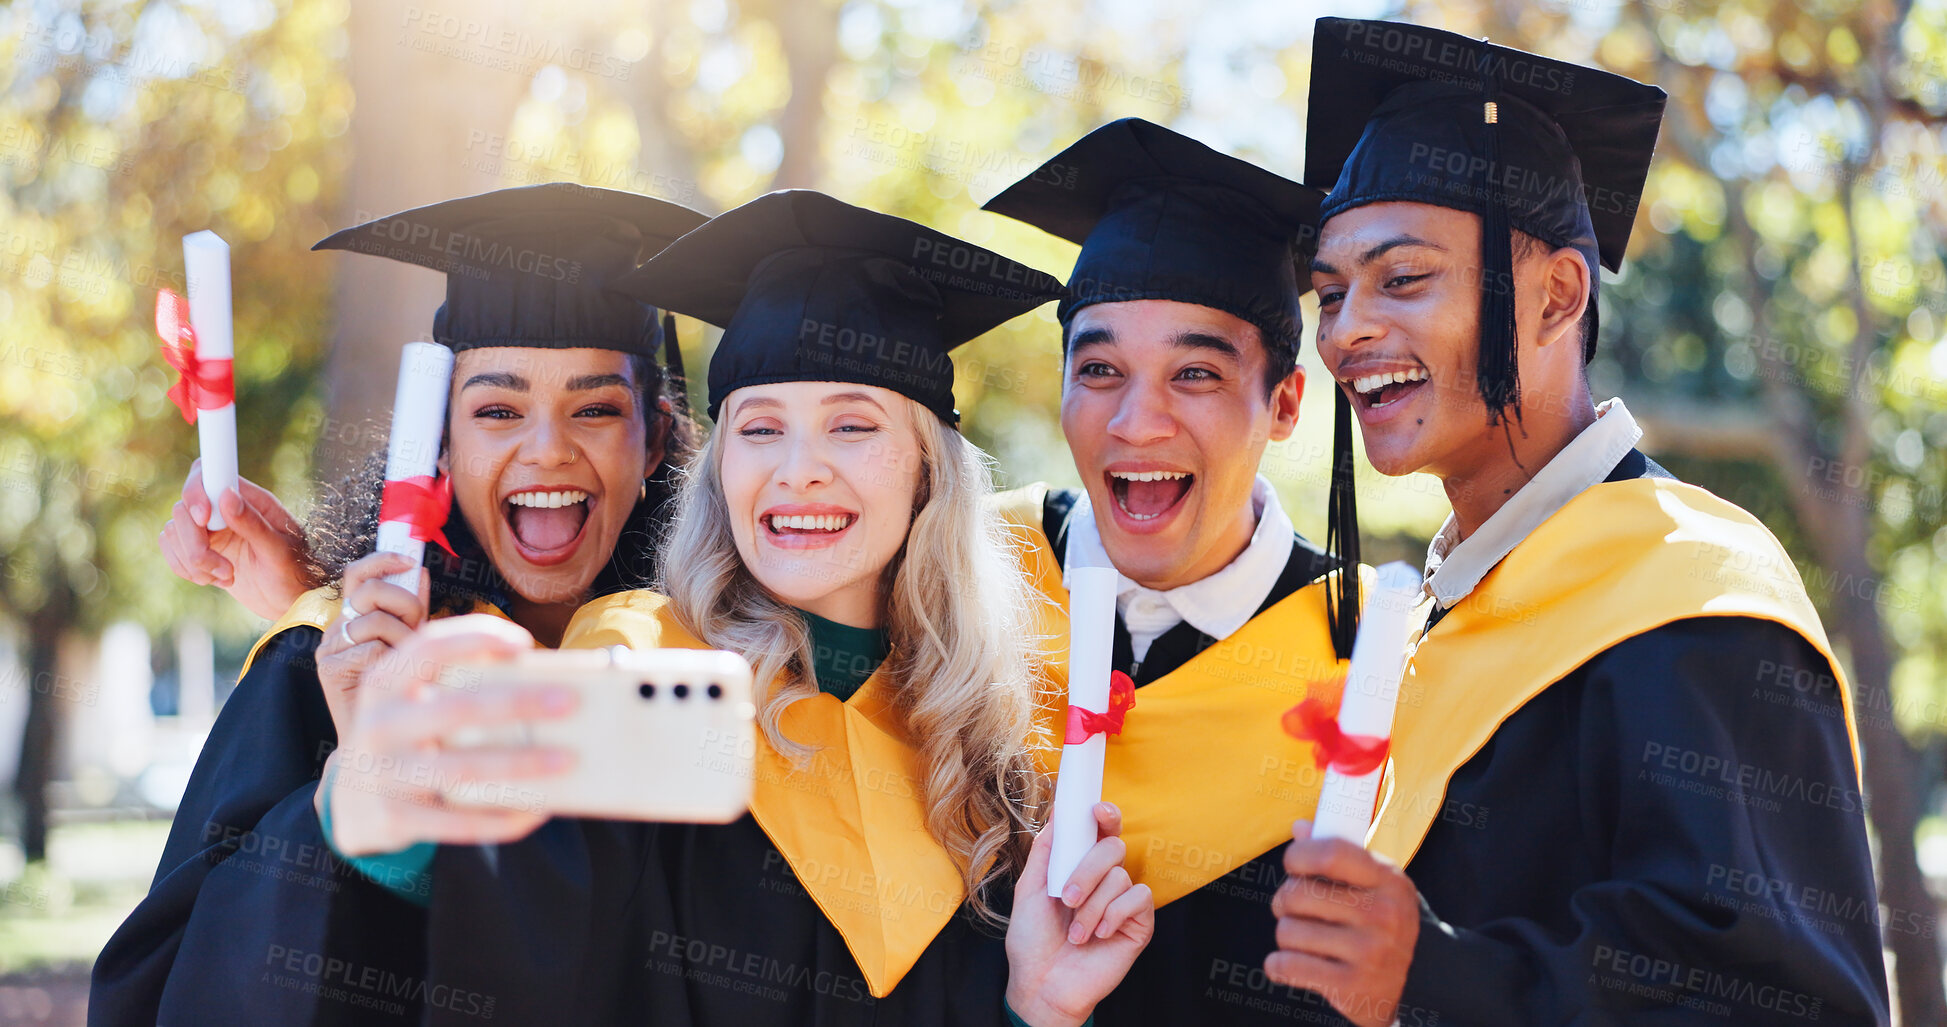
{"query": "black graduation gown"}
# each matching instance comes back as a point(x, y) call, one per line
point(599, 922)
point(1205, 963)
point(251, 919)
point(1566, 882)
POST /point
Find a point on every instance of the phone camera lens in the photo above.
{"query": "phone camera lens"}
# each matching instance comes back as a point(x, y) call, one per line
point(682, 691)
point(646, 690)
point(716, 691)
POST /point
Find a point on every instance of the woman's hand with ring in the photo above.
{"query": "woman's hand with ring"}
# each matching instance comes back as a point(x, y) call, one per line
point(376, 616)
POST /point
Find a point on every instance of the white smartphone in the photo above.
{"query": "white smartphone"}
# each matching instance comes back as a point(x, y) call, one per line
point(661, 734)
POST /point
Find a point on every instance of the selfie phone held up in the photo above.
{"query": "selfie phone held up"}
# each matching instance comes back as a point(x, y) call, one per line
point(659, 735)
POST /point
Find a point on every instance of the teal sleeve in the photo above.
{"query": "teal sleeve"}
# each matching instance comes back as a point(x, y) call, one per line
point(407, 873)
point(1014, 1019)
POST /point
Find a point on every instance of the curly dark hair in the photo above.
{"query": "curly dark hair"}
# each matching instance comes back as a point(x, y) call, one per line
point(344, 524)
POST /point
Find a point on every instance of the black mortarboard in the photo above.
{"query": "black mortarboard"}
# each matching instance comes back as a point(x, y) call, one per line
point(534, 266)
point(1556, 150)
point(1162, 216)
point(810, 288)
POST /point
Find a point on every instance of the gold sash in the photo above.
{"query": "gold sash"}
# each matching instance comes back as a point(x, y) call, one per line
point(1621, 559)
point(1204, 773)
point(850, 820)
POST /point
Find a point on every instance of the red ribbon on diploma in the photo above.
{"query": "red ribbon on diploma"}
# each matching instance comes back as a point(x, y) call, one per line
point(421, 502)
point(1353, 755)
point(205, 384)
point(1084, 723)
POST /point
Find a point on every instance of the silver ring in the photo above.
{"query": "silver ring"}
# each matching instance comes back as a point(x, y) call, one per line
point(346, 613)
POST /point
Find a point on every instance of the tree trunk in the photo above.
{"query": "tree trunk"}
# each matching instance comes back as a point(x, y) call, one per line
point(1837, 519)
point(47, 694)
point(1893, 780)
point(810, 32)
point(413, 145)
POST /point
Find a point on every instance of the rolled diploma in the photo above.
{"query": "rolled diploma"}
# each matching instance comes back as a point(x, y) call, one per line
point(418, 423)
point(206, 266)
point(1371, 692)
point(1078, 781)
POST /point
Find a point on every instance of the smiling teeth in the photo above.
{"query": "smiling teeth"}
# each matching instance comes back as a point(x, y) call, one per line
point(1149, 475)
point(811, 522)
point(547, 500)
point(1376, 381)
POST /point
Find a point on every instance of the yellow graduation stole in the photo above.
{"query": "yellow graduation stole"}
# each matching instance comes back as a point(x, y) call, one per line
point(850, 820)
point(1205, 775)
point(1620, 559)
point(317, 609)
point(313, 609)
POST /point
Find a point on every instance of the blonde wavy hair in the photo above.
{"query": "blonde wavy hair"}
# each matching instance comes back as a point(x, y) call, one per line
point(963, 664)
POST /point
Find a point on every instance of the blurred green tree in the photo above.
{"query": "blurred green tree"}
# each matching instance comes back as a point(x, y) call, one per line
point(124, 126)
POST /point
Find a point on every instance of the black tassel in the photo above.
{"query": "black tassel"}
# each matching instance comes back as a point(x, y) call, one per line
point(673, 365)
point(1342, 602)
point(1497, 373)
point(1593, 324)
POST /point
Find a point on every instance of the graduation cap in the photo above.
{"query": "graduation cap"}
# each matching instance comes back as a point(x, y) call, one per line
point(810, 288)
point(1161, 216)
point(1556, 150)
point(534, 266)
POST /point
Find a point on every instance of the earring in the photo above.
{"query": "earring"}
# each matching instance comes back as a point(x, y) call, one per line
point(644, 497)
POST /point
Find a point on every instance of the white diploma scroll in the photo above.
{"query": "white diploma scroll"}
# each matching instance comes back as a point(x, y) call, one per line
point(1345, 803)
point(206, 266)
point(418, 423)
point(1078, 784)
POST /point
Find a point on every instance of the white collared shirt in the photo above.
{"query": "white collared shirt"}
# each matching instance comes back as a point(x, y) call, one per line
point(1454, 566)
point(1216, 605)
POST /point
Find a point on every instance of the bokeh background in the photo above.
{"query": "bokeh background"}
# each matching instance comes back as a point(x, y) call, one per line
point(1780, 329)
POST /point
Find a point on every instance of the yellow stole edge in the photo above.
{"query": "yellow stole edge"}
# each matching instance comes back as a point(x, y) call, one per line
point(317, 609)
point(1206, 825)
point(313, 609)
point(885, 948)
point(1400, 837)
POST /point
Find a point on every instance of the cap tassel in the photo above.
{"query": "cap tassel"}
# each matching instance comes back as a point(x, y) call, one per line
point(1496, 373)
point(1594, 315)
point(1342, 533)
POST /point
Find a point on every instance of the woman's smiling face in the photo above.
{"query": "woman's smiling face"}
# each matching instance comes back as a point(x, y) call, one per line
point(820, 479)
point(547, 449)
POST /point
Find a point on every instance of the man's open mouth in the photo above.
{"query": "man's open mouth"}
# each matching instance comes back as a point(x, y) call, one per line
point(1384, 389)
point(547, 521)
point(1147, 495)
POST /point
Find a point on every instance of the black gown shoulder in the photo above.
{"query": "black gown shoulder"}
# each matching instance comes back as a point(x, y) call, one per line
point(1672, 834)
point(598, 922)
point(251, 919)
